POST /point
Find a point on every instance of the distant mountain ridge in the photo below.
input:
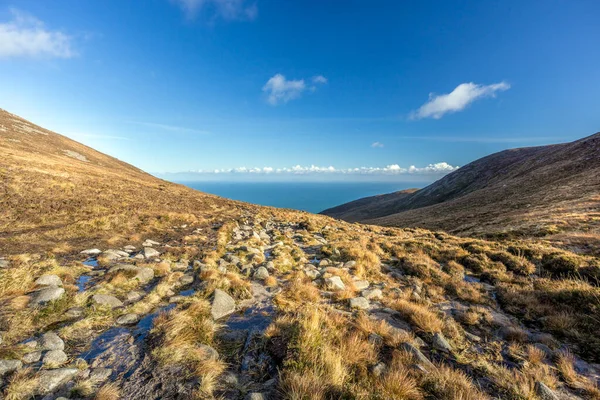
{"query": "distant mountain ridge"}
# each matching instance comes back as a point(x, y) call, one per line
point(533, 191)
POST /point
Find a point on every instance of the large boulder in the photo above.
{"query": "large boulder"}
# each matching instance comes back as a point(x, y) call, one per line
point(46, 295)
point(50, 380)
point(49, 280)
point(7, 366)
point(106, 300)
point(222, 304)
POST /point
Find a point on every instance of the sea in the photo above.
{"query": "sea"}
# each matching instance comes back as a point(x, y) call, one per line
point(313, 197)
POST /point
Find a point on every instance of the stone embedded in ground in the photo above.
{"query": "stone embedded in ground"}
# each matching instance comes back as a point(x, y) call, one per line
point(270, 266)
point(222, 304)
point(106, 300)
point(149, 252)
point(472, 337)
point(179, 266)
point(32, 357)
point(361, 284)
point(112, 254)
point(150, 243)
point(440, 343)
point(133, 296)
point(420, 357)
point(46, 295)
point(100, 374)
point(4, 263)
point(51, 341)
point(7, 366)
point(91, 252)
point(261, 273)
point(128, 319)
point(74, 312)
point(186, 279)
point(49, 280)
point(49, 380)
point(359, 303)
point(545, 392)
point(378, 369)
point(335, 283)
point(54, 358)
point(350, 264)
point(312, 273)
point(255, 396)
point(142, 274)
point(324, 262)
point(372, 294)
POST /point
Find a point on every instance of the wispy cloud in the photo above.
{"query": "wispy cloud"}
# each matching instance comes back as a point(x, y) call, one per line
point(376, 145)
point(280, 90)
point(171, 128)
point(229, 10)
point(457, 100)
point(26, 36)
point(97, 136)
point(393, 169)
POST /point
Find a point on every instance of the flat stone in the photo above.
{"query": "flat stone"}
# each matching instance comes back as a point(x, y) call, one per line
point(46, 295)
point(133, 296)
point(372, 294)
point(187, 279)
point(359, 303)
point(149, 252)
point(7, 366)
point(49, 280)
point(51, 341)
point(222, 304)
point(106, 300)
point(128, 319)
point(49, 380)
point(112, 255)
point(440, 343)
point(91, 252)
point(32, 357)
point(142, 274)
point(74, 312)
point(261, 273)
point(335, 283)
point(361, 284)
point(150, 243)
point(55, 357)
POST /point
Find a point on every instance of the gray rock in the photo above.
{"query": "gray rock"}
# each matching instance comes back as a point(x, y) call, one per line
point(312, 273)
point(350, 264)
point(112, 254)
point(4, 263)
point(129, 248)
point(176, 299)
point(49, 380)
point(361, 284)
point(32, 357)
point(142, 274)
point(100, 374)
point(545, 392)
point(91, 252)
point(7, 366)
point(359, 303)
point(375, 339)
point(51, 341)
point(149, 252)
point(440, 343)
point(55, 357)
point(472, 337)
point(324, 262)
point(209, 352)
point(150, 243)
point(255, 396)
point(334, 283)
point(270, 266)
point(49, 280)
point(128, 319)
point(222, 304)
point(106, 300)
point(187, 279)
point(378, 369)
point(416, 353)
point(46, 295)
point(133, 296)
point(261, 273)
point(74, 313)
point(179, 266)
point(372, 294)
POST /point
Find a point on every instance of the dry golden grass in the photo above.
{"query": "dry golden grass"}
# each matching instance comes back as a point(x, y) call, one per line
point(21, 385)
point(445, 383)
point(108, 391)
point(419, 315)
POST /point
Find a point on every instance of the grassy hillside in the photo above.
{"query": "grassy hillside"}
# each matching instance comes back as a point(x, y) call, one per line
point(190, 296)
point(549, 191)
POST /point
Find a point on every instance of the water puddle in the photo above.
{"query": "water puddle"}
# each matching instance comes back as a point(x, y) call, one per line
point(252, 318)
point(91, 262)
point(145, 324)
point(187, 293)
point(82, 282)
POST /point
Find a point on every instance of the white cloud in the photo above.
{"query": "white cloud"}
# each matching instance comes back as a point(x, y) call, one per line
point(229, 10)
point(281, 90)
point(376, 145)
point(393, 169)
point(27, 36)
point(457, 100)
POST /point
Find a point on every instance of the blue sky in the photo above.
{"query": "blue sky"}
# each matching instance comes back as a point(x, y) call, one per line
point(253, 87)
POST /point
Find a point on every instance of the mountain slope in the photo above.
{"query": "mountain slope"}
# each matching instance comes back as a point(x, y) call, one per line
point(528, 191)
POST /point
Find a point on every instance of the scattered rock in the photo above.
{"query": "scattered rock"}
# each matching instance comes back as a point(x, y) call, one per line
point(49, 380)
point(128, 319)
point(440, 343)
point(112, 255)
point(222, 304)
point(46, 295)
point(32, 357)
point(350, 264)
point(49, 280)
point(378, 369)
point(149, 252)
point(324, 262)
point(100, 374)
point(91, 252)
point(7, 366)
point(51, 341)
point(74, 313)
point(55, 358)
point(187, 279)
point(150, 243)
point(312, 273)
point(255, 396)
point(142, 274)
point(372, 294)
point(409, 348)
point(106, 300)
point(359, 303)
point(335, 283)
point(133, 296)
point(545, 392)
point(4, 263)
point(361, 284)
point(261, 273)
point(209, 352)
point(472, 337)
